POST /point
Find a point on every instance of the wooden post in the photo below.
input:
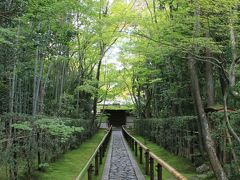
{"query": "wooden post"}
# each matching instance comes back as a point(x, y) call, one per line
point(159, 172)
point(100, 153)
point(96, 164)
point(147, 162)
point(132, 144)
point(103, 149)
point(140, 152)
point(136, 149)
point(151, 168)
point(90, 171)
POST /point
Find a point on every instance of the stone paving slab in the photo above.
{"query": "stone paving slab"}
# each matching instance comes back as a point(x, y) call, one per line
point(120, 164)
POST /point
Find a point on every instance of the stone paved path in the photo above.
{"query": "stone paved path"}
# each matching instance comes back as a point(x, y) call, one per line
point(120, 165)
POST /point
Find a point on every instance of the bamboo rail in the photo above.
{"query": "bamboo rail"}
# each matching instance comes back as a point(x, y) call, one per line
point(97, 157)
point(150, 158)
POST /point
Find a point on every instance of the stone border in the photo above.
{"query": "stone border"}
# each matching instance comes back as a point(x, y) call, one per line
point(136, 168)
point(105, 175)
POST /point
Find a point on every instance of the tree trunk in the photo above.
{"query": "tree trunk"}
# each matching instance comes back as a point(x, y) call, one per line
point(232, 72)
point(235, 60)
point(215, 163)
point(34, 108)
point(39, 79)
point(12, 91)
point(209, 78)
point(148, 99)
point(97, 86)
point(229, 126)
point(41, 97)
point(61, 86)
point(20, 96)
point(11, 133)
point(95, 101)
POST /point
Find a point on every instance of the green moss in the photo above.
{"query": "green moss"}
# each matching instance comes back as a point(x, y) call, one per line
point(101, 168)
point(71, 163)
point(3, 172)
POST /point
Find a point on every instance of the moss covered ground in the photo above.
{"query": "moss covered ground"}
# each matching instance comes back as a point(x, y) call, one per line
point(182, 165)
point(71, 163)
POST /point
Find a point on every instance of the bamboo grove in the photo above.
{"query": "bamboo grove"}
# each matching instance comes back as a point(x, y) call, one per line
point(51, 55)
point(175, 59)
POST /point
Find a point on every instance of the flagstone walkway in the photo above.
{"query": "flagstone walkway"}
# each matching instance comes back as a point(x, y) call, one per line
point(120, 164)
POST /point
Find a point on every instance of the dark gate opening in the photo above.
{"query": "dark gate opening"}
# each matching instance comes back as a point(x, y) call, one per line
point(116, 118)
